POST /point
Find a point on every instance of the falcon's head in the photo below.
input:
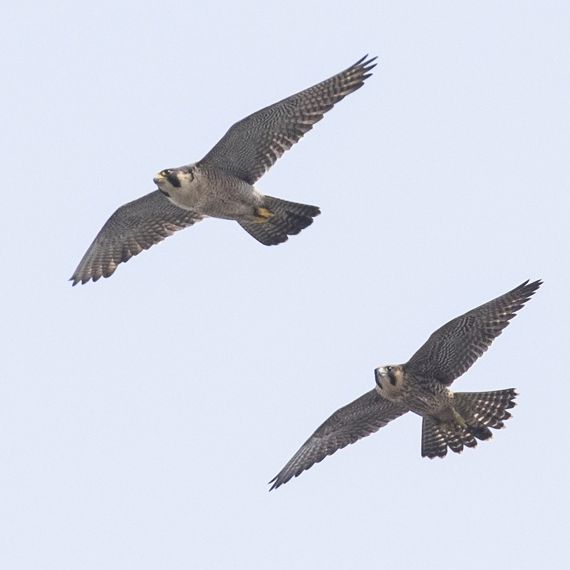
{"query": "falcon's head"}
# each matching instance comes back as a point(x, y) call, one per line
point(389, 377)
point(172, 178)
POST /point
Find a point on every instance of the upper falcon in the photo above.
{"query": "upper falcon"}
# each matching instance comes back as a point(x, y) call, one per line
point(221, 184)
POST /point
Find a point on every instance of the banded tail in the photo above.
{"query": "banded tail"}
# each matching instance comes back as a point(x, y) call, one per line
point(478, 411)
point(279, 219)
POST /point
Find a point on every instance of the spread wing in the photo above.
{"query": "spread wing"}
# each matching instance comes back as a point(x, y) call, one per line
point(452, 349)
point(133, 227)
point(252, 145)
point(358, 419)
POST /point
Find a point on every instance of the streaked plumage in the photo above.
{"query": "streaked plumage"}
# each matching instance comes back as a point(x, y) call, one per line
point(221, 184)
point(450, 420)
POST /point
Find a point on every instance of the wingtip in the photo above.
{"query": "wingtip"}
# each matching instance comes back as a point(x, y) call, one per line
point(82, 280)
point(280, 479)
point(531, 286)
point(367, 64)
point(366, 59)
point(76, 280)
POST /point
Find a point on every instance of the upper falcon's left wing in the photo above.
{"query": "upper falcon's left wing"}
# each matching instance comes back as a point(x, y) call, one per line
point(252, 145)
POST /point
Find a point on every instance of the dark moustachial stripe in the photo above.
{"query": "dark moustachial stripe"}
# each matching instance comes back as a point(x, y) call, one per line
point(173, 179)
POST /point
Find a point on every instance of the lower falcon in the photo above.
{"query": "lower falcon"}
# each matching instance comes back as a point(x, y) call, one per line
point(450, 419)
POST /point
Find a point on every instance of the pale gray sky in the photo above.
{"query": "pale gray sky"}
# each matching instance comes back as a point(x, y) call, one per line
point(142, 416)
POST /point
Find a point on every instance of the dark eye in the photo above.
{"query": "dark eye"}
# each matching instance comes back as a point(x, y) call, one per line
point(388, 369)
point(165, 172)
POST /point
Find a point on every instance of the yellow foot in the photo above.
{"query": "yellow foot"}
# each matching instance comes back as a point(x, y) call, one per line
point(263, 214)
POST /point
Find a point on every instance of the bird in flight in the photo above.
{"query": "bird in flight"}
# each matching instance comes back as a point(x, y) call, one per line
point(221, 185)
point(449, 419)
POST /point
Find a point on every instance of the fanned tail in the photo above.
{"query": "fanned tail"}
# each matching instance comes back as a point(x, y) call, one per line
point(279, 219)
point(478, 411)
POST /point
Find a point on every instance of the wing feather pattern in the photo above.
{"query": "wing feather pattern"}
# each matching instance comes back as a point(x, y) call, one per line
point(251, 146)
point(453, 348)
point(350, 423)
point(134, 227)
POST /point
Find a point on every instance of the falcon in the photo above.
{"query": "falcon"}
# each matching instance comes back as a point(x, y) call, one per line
point(221, 185)
point(451, 420)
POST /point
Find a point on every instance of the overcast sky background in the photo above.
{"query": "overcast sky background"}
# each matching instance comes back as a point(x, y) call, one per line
point(142, 416)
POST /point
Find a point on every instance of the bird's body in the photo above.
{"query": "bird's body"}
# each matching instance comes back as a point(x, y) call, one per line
point(451, 420)
point(416, 393)
point(221, 185)
point(210, 191)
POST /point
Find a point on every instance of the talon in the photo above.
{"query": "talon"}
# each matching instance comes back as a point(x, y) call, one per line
point(264, 214)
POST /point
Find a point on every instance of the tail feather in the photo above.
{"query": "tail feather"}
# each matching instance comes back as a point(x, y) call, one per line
point(280, 219)
point(477, 412)
point(487, 409)
point(434, 443)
